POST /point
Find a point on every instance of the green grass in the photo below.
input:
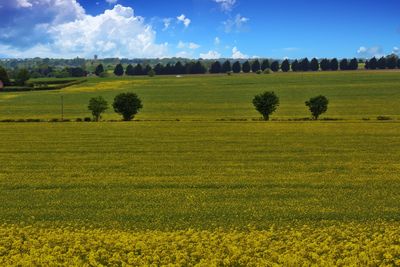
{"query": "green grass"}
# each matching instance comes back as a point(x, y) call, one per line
point(352, 95)
point(163, 175)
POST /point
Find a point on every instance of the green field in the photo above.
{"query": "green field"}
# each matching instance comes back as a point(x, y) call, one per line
point(197, 158)
point(352, 95)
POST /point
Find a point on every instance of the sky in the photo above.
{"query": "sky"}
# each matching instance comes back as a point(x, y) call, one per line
point(199, 28)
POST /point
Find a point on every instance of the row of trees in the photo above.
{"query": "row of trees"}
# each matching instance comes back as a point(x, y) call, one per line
point(267, 103)
point(390, 62)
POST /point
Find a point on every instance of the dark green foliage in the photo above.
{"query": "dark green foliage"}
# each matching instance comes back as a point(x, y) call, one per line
point(304, 64)
point(373, 64)
point(398, 63)
point(4, 76)
point(99, 70)
point(151, 73)
point(130, 70)
point(147, 70)
point(138, 70)
point(344, 64)
point(353, 65)
point(265, 64)
point(226, 67)
point(179, 68)
point(334, 64)
point(22, 76)
point(97, 105)
point(285, 65)
point(128, 105)
point(382, 63)
point(255, 66)
point(314, 65)
point(391, 62)
point(317, 105)
point(236, 67)
point(246, 67)
point(295, 65)
point(159, 69)
point(366, 66)
point(216, 67)
point(76, 72)
point(119, 70)
point(275, 66)
point(266, 103)
point(199, 68)
point(325, 64)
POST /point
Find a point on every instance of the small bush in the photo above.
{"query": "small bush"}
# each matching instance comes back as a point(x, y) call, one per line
point(54, 120)
point(268, 71)
point(87, 119)
point(259, 72)
point(78, 120)
point(383, 118)
point(151, 73)
point(229, 73)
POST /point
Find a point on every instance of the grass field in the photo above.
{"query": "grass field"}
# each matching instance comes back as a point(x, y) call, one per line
point(352, 95)
point(202, 191)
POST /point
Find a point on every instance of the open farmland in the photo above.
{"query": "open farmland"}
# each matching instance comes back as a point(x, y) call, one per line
point(201, 190)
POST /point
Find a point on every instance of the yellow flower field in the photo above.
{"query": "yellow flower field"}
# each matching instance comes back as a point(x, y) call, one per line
point(339, 244)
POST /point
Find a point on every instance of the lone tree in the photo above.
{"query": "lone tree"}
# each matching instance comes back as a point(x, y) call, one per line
point(317, 105)
point(119, 70)
point(266, 103)
point(99, 70)
point(97, 105)
point(128, 105)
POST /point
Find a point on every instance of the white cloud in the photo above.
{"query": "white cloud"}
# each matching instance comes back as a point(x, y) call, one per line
point(236, 54)
point(182, 18)
point(235, 24)
point(183, 45)
point(210, 55)
point(217, 41)
point(167, 23)
point(375, 51)
point(24, 3)
point(112, 1)
point(184, 54)
point(396, 50)
point(226, 5)
point(115, 33)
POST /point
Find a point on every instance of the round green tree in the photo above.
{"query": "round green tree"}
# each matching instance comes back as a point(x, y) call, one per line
point(266, 103)
point(22, 76)
point(128, 105)
point(119, 70)
point(99, 70)
point(97, 105)
point(317, 105)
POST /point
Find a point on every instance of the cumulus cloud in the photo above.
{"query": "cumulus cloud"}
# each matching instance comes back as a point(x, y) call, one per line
point(115, 33)
point(226, 5)
point(375, 51)
point(167, 23)
point(217, 41)
point(236, 54)
point(190, 45)
point(210, 55)
point(183, 19)
point(235, 24)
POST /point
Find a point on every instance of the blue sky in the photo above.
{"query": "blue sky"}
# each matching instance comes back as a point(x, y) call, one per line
point(199, 28)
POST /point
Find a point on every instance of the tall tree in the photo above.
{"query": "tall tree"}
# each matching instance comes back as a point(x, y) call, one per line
point(334, 64)
point(159, 69)
point(266, 103)
point(295, 65)
point(344, 64)
point(138, 70)
point(366, 66)
point(22, 76)
point(285, 65)
point(147, 70)
point(325, 65)
point(314, 65)
point(226, 67)
point(265, 64)
point(97, 105)
point(255, 66)
point(179, 68)
point(275, 66)
point(130, 70)
point(353, 65)
point(382, 63)
point(391, 62)
point(215, 67)
point(398, 63)
point(236, 67)
point(304, 64)
point(128, 105)
point(373, 64)
point(119, 70)
point(4, 76)
point(246, 67)
point(99, 70)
